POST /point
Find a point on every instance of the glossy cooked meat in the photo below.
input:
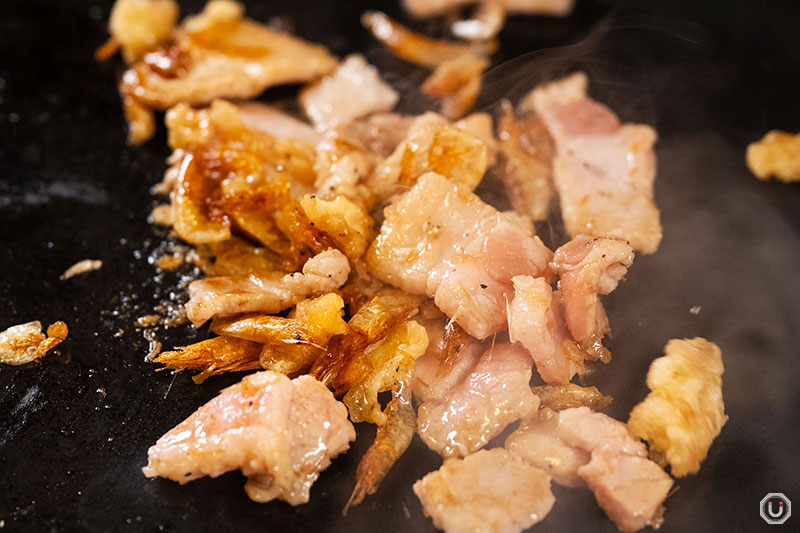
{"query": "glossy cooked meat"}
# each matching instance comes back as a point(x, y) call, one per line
point(463, 255)
point(270, 119)
point(318, 431)
point(378, 134)
point(603, 171)
point(535, 320)
point(490, 491)
point(628, 486)
point(526, 163)
point(220, 54)
point(432, 144)
point(588, 267)
point(433, 379)
point(267, 293)
point(536, 441)
point(280, 433)
point(494, 394)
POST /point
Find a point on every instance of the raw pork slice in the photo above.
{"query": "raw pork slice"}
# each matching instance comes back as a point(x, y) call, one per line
point(537, 442)
point(628, 486)
point(267, 293)
point(495, 394)
point(491, 491)
point(280, 433)
point(603, 171)
point(441, 240)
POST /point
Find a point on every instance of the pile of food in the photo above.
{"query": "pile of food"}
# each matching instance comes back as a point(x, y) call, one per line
point(346, 255)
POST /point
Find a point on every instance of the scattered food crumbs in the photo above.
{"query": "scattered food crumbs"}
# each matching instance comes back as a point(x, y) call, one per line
point(169, 262)
point(81, 267)
point(154, 347)
point(147, 321)
point(102, 392)
point(695, 309)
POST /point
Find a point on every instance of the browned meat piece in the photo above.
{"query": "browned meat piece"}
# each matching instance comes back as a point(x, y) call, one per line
point(536, 320)
point(588, 267)
point(223, 55)
point(269, 119)
point(431, 145)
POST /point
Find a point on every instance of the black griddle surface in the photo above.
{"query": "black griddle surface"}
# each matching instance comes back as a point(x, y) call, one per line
point(75, 428)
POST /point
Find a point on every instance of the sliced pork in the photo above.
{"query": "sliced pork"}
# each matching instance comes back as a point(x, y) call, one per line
point(588, 267)
point(270, 119)
point(526, 167)
point(537, 442)
point(494, 394)
point(379, 133)
point(353, 90)
point(491, 491)
point(628, 486)
point(220, 54)
point(434, 378)
point(441, 240)
point(267, 293)
point(603, 171)
point(535, 320)
point(280, 433)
